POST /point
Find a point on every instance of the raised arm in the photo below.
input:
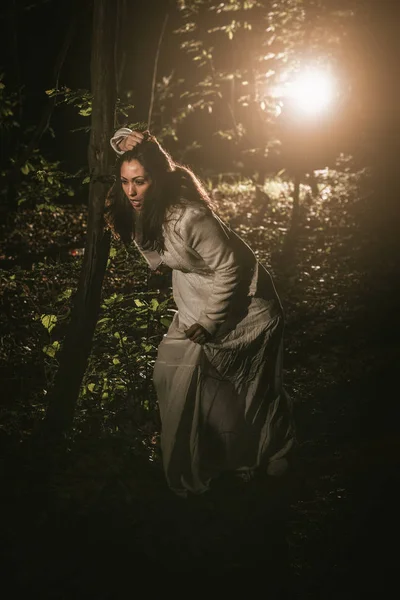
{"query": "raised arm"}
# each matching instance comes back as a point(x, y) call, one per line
point(125, 139)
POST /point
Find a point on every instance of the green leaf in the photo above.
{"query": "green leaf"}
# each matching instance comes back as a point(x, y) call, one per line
point(48, 321)
point(85, 112)
point(49, 350)
point(91, 387)
point(154, 304)
point(65, 294)
point(116, 361)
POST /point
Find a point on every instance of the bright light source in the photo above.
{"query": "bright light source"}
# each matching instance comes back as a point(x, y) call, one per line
point(312, 91)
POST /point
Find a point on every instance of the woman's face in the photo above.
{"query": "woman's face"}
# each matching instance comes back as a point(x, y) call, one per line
point(135, 183)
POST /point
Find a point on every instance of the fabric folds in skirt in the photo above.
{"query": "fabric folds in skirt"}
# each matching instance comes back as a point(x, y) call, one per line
point(222, 405)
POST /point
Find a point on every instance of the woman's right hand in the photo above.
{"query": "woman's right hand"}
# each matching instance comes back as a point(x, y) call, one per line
point(130, 141)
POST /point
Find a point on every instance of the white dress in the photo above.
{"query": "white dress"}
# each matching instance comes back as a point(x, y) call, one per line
point(222, 405)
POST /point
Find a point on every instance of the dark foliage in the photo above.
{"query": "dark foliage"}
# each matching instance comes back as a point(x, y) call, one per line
point(304, 536)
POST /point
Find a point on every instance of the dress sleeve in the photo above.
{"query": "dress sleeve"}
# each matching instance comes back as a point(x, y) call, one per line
point(152, 257)
point(202, 232)
point(119, 135)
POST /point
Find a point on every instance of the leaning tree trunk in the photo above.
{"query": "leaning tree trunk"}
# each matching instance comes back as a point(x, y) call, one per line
point(78, 341)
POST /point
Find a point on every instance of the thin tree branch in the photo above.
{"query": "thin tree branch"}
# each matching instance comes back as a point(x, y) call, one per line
point(153, 83)
point(119, 51)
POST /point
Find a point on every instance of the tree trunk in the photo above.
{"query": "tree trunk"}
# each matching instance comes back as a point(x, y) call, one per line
point(296, 201)
point(77, 345)
point(288, 248)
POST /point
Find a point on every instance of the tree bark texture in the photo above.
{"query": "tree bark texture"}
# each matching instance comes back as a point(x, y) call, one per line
point(77, 345)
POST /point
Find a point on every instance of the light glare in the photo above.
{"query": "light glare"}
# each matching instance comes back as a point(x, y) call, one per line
point(312, 91)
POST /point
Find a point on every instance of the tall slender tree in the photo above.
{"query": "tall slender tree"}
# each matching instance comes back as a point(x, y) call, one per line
point(77, 344)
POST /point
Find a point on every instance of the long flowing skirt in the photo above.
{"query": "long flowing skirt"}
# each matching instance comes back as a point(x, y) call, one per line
point(222, 405)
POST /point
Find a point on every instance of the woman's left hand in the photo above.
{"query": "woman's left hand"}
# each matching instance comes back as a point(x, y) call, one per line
point(197, 334)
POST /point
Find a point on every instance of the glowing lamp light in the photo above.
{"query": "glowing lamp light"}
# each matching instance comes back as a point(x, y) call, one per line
point(312, 91)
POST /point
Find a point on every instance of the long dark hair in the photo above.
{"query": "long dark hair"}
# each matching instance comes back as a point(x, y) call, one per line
point(172, 184)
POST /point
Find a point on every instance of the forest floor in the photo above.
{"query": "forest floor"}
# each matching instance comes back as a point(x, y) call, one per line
point(328, 528)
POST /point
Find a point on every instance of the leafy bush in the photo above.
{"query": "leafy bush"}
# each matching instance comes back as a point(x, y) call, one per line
point(117, 393)
point(44, 182)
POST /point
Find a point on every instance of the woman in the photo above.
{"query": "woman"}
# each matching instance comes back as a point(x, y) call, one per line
point(218, 372)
